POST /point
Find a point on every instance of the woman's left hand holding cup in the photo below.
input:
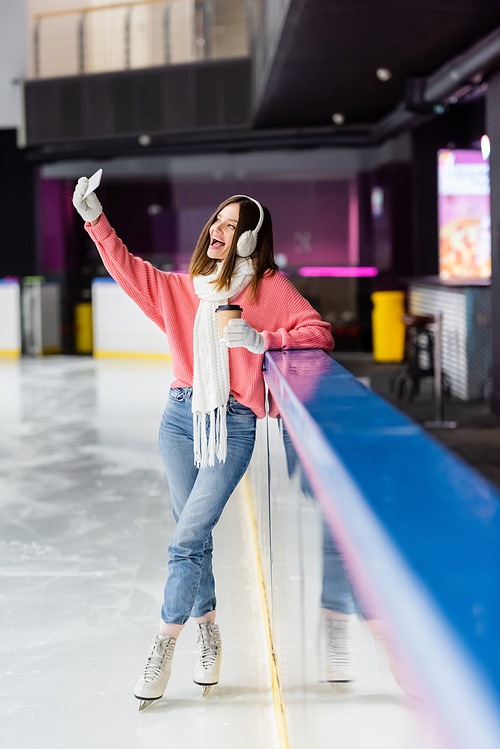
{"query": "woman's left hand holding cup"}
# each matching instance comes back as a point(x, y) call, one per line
point(238, 333)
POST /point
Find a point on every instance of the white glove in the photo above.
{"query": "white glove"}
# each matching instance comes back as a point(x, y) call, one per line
point(238, 333)
point(90, 208)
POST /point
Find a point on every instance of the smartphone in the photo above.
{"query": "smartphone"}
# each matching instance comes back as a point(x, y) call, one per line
point(94, 183)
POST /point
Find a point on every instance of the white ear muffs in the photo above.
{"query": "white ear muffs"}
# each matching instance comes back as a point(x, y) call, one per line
point(248, 240)
point(246, 244)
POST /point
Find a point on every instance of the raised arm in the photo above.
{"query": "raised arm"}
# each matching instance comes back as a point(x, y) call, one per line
point(138, 278)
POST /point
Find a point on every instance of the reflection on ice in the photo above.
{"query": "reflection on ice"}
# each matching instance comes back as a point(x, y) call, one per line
point(341, 674)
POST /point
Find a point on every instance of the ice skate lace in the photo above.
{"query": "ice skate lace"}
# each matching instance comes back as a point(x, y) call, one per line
point(161, 651)
point(209, 642)
point(338, 643)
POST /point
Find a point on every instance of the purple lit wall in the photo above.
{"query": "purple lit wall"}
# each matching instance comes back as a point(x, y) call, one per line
point(386, 234)
point(315, 223)
point(55, 217)
point(311, 220)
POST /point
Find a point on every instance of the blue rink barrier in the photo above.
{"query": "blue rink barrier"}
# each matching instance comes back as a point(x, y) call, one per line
point(421, 528)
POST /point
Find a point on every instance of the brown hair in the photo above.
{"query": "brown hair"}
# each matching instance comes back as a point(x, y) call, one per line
point(262, 257)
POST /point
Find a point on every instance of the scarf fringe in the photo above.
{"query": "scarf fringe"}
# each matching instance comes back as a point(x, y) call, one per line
point(216, 445)
point(211, 376)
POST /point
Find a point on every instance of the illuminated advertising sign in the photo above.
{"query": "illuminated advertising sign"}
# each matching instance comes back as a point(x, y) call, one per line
point(464, 214)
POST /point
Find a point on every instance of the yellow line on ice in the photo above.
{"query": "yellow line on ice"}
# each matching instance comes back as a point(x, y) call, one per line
point(279, 707)
point(130, 355)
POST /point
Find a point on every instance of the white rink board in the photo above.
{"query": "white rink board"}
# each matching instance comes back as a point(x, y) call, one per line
point(10, 315)
point(120, 326)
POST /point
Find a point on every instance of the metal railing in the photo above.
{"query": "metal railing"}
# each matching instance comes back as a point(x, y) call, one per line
point(137, 34)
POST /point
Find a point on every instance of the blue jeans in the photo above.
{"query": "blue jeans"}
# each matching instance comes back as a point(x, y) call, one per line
point(198, 497)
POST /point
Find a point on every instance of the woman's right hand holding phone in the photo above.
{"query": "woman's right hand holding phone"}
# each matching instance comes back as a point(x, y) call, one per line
point(89, 209)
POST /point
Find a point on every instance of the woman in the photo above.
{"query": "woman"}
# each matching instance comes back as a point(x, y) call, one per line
point(207, 433)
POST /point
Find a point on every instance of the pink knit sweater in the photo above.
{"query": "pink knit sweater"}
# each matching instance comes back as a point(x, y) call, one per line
point(285, 318)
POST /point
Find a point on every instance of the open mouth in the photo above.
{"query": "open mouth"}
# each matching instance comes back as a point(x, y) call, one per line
point(216, 243)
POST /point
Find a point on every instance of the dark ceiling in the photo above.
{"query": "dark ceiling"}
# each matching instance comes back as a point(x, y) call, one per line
point(330, 50)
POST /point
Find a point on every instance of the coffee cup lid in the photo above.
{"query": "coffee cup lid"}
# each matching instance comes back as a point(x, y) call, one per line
point(227, 307)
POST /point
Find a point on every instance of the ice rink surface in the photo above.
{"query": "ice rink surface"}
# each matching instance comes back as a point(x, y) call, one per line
point(85, 524)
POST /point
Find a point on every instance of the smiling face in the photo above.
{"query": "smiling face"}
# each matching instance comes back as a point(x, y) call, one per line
point(222, 231)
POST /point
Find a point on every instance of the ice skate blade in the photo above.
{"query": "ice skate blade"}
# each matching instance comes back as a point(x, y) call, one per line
point(341, 687)
point(143, 704)
point(206, 690)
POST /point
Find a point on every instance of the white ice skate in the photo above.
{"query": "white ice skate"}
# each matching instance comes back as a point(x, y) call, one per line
point(338, 655)
point(207, 669)
point(157, 670)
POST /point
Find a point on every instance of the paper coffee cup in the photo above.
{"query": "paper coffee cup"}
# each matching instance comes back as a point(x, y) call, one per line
point(224, 313)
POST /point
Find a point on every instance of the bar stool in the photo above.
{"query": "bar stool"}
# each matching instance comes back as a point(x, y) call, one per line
point(421, 357)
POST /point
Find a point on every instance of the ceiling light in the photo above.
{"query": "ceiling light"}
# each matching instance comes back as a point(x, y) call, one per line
point(154, 209)
point(338, 118)
point(384, 74)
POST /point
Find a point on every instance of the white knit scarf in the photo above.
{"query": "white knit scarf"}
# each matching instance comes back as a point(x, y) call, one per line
point(211, 364)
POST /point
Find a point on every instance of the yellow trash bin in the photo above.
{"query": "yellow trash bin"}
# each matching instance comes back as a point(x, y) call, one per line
point(83, 328)
point(387, 327)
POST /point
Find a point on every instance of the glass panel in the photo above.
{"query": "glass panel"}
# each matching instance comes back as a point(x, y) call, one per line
point(341, 674)
point(140, 34)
